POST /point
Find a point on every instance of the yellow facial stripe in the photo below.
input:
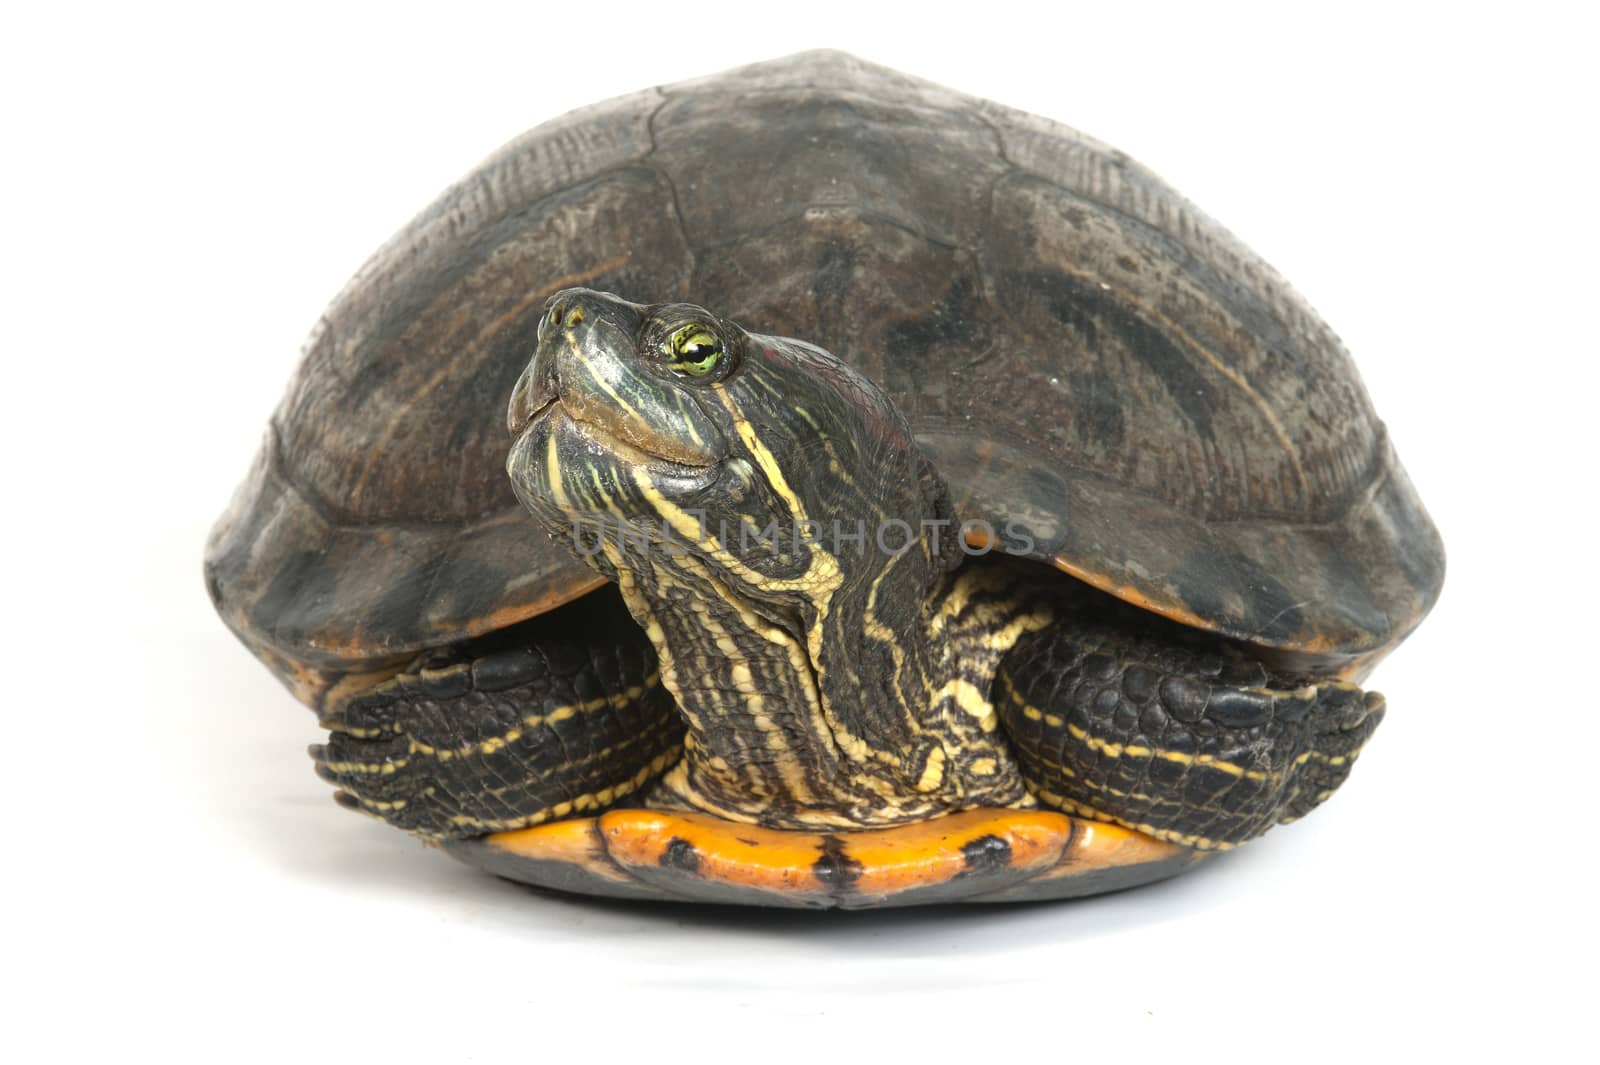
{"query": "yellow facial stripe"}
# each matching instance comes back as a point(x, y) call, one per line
point(764, 458)
point(685, 525)
point(835, 467)
point(599, 381)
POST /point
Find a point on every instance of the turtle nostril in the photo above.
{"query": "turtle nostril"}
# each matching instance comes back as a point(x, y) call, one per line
point(551, 320)
point(561, 314)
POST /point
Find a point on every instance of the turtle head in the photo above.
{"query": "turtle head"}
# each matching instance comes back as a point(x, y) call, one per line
point(763, 509)
point(612, 387)
point(666, 428)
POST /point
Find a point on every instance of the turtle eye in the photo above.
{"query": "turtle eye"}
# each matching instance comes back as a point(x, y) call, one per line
point(694, 350)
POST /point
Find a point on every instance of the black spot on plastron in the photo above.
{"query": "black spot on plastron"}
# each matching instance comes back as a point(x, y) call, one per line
point(680, 855)
point(986, 854)
point(836, 870)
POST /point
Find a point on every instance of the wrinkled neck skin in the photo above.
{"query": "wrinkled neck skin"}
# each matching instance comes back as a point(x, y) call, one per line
point(852, 693)
point(791, 564)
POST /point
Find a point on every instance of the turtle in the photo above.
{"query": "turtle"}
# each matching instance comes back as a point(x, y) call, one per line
point(809, 486)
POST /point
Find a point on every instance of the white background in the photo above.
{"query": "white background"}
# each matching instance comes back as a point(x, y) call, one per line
point(185, 190)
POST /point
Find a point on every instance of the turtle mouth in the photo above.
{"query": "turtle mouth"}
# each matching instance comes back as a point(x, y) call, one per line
point(632, 441)
point(534, 415)
point(647, 436)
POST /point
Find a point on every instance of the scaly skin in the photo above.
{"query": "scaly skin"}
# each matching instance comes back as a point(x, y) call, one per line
point(1122, 716)
point(556, 717)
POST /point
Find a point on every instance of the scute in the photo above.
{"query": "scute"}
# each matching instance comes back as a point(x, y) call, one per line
point(1084, 353)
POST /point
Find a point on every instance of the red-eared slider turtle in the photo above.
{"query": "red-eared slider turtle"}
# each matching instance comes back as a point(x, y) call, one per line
point(1048, 558)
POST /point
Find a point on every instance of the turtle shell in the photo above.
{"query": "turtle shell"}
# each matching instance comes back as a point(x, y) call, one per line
point(1097, 368)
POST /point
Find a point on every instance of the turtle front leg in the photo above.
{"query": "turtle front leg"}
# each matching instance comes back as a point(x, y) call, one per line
point(1124, 717)
point(548, 719)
